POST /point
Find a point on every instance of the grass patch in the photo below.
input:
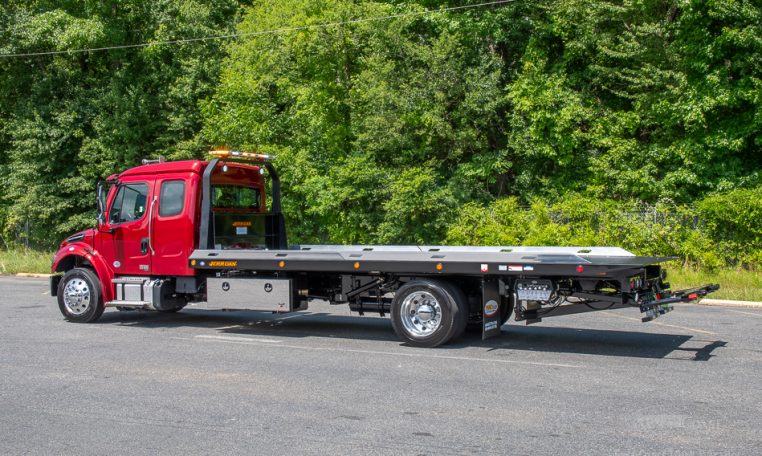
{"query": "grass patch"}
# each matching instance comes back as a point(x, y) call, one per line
point(736, 284)
point(24, 260)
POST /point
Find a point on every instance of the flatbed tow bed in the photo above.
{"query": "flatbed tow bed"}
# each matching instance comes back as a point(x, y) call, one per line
point(496, 266)
point(478, 261)
point(239, 258)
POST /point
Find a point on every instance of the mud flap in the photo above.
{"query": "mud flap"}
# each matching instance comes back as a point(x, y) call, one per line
point(54, 281)
point(490, 307)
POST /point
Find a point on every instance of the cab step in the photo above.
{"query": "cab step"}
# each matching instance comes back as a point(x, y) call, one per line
point(132, 304)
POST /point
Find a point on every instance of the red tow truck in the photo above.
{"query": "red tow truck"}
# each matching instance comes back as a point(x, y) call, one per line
point(170, 233)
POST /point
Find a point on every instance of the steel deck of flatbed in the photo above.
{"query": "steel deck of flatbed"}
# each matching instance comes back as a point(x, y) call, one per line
point(435, 260)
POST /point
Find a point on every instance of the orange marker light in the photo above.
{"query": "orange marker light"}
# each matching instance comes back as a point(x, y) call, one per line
point(193, 262)
point(357, 265)
point(439, 266)
point(282, 264)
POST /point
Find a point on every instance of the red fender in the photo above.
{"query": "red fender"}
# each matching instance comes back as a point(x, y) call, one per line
point(65, 258)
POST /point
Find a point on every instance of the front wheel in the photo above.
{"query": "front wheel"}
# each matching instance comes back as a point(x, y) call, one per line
point(428, 313)
point(79, 296)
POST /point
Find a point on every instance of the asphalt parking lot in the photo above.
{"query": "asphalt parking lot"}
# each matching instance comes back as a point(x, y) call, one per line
point(330, 382)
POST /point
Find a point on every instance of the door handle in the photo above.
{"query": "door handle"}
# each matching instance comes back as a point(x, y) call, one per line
point(144, 246)
point(150, 225)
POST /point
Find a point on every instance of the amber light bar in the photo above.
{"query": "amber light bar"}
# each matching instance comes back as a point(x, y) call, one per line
point(238, 155)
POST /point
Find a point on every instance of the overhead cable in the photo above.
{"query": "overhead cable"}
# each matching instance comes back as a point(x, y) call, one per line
point(261, 32)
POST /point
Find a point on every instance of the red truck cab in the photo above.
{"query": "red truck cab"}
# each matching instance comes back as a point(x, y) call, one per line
point(148, 220)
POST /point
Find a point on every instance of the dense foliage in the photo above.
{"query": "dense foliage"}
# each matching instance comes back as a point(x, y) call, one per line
point(68, 120)
point(420, 128)
point(718, 231)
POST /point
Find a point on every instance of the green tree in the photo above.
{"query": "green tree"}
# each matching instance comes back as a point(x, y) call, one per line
point(67, 120)
point(654, 99)
point(363, 113)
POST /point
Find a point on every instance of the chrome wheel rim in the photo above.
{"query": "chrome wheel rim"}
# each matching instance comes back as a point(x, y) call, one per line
point(76, 296)
point(421, 313)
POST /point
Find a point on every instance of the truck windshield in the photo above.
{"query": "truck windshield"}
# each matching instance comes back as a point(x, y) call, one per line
point(235, 197)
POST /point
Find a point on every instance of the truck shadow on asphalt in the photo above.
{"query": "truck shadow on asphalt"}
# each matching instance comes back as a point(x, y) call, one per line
point(550, 339)
point(633, 344)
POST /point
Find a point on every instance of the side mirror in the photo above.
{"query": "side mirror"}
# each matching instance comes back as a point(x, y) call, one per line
point(100, 201)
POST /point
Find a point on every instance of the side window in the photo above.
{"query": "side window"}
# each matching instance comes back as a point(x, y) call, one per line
point(129, 203)
point(172, 198)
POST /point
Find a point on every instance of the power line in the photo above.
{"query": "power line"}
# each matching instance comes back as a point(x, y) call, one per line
point(262, 32)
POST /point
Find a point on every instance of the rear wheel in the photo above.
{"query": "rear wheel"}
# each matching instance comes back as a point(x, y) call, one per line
point(79, 296)
point(428, 313)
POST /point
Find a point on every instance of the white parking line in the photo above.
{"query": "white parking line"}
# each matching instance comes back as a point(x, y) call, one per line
point(252, 341)
point(229, 327)
point(291, 316)
point(238, 339)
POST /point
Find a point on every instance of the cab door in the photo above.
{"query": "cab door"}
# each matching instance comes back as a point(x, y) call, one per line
point(125, 239)
point(173, 231)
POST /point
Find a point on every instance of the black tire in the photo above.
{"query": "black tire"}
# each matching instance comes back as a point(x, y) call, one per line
point(462, 302)
point(80, 298)
point(450, 317)
point(506, 309)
